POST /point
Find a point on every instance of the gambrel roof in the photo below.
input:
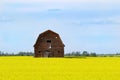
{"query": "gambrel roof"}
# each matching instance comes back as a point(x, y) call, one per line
point(45, 33)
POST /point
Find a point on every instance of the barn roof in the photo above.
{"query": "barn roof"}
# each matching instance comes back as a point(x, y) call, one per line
point(49, 31)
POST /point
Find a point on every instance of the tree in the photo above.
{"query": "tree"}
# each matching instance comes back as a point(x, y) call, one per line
point(85, 53)
point(77, 53)
point(93, 54)
point(0, 53)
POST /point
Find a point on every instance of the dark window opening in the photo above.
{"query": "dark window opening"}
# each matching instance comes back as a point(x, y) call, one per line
point(58, 51)
point(48, 41)
point(39, 51)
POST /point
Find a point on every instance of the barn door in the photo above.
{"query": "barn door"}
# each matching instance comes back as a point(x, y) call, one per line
point(46, 54)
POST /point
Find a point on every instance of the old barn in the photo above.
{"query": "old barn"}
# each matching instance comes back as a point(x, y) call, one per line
point(49, 44)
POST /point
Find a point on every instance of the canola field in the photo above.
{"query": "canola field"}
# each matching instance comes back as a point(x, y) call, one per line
point(29, 68)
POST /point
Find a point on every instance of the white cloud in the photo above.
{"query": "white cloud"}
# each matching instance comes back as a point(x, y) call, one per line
point(40, 5)
point(115, 19)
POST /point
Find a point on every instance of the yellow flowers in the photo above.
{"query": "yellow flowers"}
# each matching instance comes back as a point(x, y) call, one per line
point(29, 68)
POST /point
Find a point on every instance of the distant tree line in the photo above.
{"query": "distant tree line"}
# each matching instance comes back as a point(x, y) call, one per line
point(72, 54)
point(17, 54)
point(91, 54)
point(84, 53)
point(77, 53)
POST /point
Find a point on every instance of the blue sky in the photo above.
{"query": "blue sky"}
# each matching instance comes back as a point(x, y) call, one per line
point(92, 25)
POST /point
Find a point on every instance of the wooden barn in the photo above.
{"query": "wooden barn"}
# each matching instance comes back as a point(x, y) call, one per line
point(49, 44)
